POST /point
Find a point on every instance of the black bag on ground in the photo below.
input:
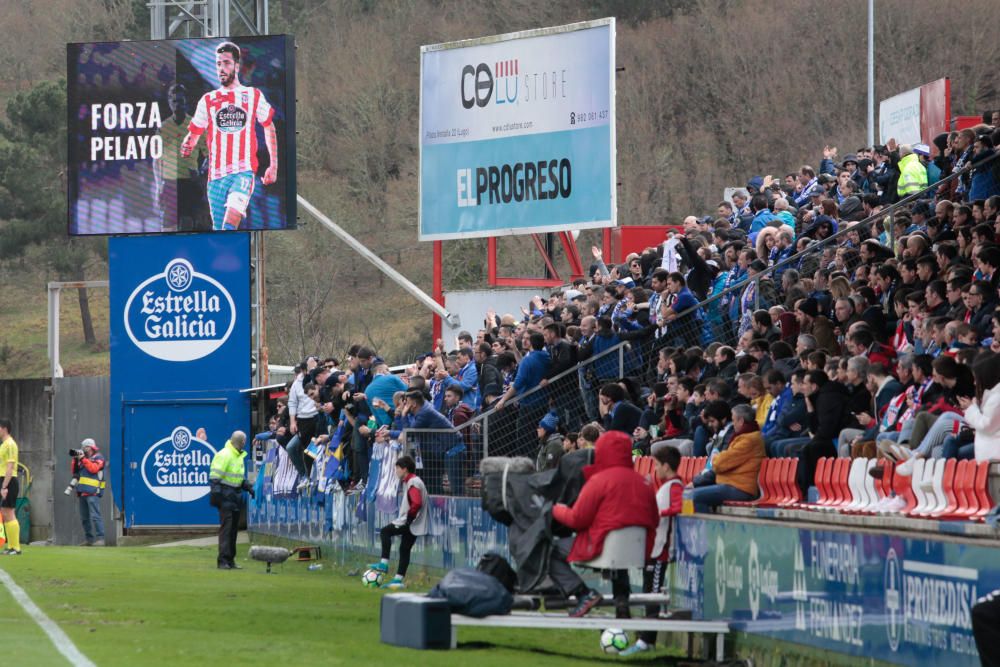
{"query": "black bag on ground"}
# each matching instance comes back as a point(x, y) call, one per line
point(473, 593)
point(497, 567)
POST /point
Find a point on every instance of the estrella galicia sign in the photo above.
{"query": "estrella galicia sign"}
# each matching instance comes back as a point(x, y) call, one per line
point(179, 314)
point(176, 468)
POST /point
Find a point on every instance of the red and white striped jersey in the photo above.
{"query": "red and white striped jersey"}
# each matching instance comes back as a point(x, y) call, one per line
point(227, 118)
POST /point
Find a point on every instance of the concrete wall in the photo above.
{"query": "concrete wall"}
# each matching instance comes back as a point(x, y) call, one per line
point(28, 404)
point(50, 417)
point(80, 410)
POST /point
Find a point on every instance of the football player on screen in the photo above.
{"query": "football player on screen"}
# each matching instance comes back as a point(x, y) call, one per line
point(226, 117)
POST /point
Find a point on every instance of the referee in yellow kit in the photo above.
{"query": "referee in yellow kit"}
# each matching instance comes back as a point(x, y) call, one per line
point(9, 489)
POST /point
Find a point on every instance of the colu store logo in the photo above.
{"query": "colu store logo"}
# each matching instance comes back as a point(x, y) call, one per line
point(176, 468)
point(180, 314)
point(481, 84)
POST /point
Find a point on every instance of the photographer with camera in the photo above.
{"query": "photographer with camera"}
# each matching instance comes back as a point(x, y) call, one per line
point(88, 481)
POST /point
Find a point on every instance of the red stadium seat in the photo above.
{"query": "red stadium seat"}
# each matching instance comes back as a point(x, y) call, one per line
point(838, 479)
point(966, 503)
point(789, 476)
point(903, 486)
point(982, 490)
point(824, 469)
point(685, 470)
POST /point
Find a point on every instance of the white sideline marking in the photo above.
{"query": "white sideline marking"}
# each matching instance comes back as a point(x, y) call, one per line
point(59, 638)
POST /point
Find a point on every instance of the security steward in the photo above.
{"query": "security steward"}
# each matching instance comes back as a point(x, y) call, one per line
point(228, 481)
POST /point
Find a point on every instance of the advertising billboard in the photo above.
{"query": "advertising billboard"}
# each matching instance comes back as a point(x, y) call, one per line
point(917, 115)
point(897, 598)
point(180, 354)
point(186, 135)
point(517, 133)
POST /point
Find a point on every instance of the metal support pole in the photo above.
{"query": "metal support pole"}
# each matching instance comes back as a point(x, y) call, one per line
point(54, 298)
point(438, 288)
point(871, 72)
point(756, 294)
point(486, 437)
point(621, 361)
point(380, 264)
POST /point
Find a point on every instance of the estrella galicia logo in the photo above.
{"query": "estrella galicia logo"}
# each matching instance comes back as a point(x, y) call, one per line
point(893, 583)
point(180, 314)
point(176, 468)
point(230, 119)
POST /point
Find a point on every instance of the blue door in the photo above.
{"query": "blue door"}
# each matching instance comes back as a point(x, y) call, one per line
point(169, 447)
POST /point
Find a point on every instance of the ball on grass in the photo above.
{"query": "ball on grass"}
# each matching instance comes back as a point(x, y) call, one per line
point(372, 578)
point(614, 640)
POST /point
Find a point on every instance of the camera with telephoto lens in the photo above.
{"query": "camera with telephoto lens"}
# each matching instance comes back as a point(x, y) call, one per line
point(72, 486)
point(76, 453)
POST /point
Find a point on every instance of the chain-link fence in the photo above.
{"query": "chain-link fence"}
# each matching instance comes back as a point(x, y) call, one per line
point(450, 459)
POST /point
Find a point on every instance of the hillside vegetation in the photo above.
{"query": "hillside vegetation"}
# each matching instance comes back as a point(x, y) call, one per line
point(711, 93)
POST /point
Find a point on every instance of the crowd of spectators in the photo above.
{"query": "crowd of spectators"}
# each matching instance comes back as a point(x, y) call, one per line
point(810, 316)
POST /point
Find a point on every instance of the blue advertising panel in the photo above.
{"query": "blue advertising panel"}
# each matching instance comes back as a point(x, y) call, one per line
point(517, 133)
point(461, 531)
point(903, 600)
point(180, 353)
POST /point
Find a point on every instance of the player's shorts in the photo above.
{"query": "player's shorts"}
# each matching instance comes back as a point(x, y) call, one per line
point(232, 191)
point(12, 490)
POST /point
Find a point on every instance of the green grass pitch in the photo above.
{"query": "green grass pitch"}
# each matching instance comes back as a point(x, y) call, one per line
point(170, 606)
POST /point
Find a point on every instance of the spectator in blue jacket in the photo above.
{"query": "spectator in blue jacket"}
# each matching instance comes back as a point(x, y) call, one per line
point(435, 450)
point(382, 387)
point(984, 179)
point(532, 404)
point(761, 216)
point(790, 427)
point(467, 377)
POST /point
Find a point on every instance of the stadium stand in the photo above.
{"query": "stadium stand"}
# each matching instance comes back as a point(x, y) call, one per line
point(860, 325)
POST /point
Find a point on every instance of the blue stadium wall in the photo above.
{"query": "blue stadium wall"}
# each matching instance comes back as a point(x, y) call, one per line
point(872, 595)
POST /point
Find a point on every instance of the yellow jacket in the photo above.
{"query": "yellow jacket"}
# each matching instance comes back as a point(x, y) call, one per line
point(739, 464)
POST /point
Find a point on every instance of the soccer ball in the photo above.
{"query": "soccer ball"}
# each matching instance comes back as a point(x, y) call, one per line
point(614, 640)
point(372, 578)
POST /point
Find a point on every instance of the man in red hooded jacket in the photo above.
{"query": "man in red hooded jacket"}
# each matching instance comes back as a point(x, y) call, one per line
point(613, 496)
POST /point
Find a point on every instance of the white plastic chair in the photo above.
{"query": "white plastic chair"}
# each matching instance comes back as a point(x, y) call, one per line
point(855, 484)
point(936, 479)
point(915, 479)
point(623, 549)
point(869, 485)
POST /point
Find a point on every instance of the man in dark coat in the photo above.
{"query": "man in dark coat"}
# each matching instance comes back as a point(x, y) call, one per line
point(828, 403)
point(619, 414)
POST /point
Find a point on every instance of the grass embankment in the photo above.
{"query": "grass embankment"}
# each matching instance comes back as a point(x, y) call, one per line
point(24, 327)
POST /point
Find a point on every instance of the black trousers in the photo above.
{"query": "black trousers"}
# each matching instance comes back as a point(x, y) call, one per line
point(653, 577)
point(406, 542)
point(986, 628)
point(229, 525)
point(809, 457)
point(307, 431)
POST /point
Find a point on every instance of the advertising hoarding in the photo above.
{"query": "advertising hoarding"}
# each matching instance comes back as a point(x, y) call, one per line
point(180, 354)
point(187, 135)
point(900, 599)
point(917, 115)
point(517, 133)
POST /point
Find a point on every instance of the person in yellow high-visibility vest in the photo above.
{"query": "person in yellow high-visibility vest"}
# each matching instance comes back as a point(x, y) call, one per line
point(228, 481)
point(9, 489)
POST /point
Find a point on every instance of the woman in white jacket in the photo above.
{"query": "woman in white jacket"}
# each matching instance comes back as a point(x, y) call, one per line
point(983, 414)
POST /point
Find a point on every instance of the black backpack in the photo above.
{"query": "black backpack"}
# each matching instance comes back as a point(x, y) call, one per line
point(497, 567)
